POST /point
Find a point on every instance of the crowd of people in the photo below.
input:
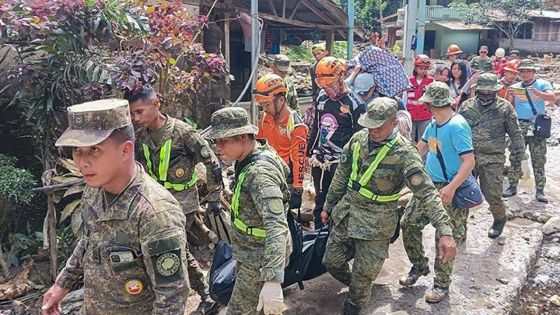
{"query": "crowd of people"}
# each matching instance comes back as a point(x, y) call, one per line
point(446, 130)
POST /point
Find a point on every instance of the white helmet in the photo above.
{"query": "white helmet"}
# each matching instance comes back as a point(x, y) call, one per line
point(500, 52)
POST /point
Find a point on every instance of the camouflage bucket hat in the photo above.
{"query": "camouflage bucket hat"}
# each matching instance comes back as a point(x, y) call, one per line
point(488, 82)
point(527, 64)
point(437, 95)
point(379, 111)
point(92, 122)
point(229, 122)
point(282, 62)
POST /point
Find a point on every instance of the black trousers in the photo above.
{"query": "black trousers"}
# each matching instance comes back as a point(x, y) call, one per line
point(321, 181)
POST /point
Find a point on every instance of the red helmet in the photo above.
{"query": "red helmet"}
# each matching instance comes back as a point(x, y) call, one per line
point(422, 61)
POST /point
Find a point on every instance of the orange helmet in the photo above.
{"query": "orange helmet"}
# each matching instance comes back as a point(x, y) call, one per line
point(422, 61)
point(267, 87)
point(453, 50)
point(512, 65)
point(329, 71)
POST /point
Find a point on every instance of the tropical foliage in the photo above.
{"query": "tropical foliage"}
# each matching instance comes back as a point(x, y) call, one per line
point(57, 53)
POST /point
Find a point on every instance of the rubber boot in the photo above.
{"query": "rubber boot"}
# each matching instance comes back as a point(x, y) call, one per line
point(510, 191)
point(497, 227)
point(541, 196)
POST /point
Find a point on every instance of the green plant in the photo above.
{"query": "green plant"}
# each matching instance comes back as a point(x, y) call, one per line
point(15, 183)
point(21, 246)
point(300, 53)
point(66, 241)
point(67, 52)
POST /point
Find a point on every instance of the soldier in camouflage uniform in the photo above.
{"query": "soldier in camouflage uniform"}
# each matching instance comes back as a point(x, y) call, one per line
point(491, 118)
point(261, 239)
point(131, 253)
point(538, 92)
point(362, 201)
point(482, 63)
point(281, 67)
point(169, 149)
point(447, 135)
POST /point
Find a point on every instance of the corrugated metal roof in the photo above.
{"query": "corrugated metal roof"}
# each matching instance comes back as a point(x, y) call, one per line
point(460, 26)
point(545, 14)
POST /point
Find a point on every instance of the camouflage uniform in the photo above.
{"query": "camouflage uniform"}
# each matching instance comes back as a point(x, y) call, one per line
point(414, 219)
point(362, 227)
point(484, 65)
point(291, 96)
point(262, 202)
point(131, 253)
point(537, 149)
point(188, 148)
point(490, 123)
point(282, 63)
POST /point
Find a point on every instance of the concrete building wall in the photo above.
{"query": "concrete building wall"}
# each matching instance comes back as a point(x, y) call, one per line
point(467, 40)
point(532, 46)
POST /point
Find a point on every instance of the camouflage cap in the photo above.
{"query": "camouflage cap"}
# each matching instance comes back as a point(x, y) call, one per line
point(527, 64)
point(437, 95)
point(488, 82)
point(229, 122)
point(379, 111)
point(92, 122)
point(282, 62)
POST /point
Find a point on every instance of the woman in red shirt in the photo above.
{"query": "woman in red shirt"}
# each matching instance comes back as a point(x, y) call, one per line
point(419, 112)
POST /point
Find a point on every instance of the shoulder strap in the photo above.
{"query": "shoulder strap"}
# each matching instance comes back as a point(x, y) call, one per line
point(533, 109)
point(440, 158)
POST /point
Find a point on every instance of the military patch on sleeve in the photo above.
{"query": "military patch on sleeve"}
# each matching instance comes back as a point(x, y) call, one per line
point(167, 264)
point(166, 258)
point(168, 267)
point(416, 180)
point(343, 158)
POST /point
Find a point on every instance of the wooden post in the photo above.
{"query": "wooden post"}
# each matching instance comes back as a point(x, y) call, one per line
point(53, 248)
point(330, 41)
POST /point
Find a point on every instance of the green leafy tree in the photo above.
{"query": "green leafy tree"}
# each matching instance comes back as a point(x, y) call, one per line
point(368, 13)
point(504, 15)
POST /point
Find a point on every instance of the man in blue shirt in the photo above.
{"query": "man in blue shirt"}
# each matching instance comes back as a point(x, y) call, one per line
point(448, 135)
point(521, 94)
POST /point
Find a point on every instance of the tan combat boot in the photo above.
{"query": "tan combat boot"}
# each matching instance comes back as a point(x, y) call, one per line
point(436, 294)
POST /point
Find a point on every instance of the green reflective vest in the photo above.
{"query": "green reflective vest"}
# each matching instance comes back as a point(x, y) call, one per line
point(163, 167)
point(240, 225)
point(360, 185)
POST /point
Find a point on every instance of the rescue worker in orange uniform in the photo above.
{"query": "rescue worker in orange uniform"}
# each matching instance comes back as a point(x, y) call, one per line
point(283, 129)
